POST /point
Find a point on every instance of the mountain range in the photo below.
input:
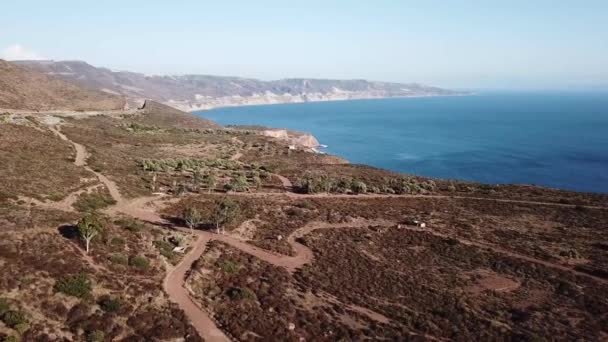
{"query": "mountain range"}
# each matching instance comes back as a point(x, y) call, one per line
point(198, 92)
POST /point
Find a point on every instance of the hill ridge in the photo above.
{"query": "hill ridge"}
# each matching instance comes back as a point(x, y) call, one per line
point(193, 92)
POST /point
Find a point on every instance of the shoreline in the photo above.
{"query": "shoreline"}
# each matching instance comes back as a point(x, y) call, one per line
point(242, 115)
point(318, 101)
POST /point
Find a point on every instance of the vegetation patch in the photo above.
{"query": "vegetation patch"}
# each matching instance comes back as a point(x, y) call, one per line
point(78, 285)
point(90, 202)
point(140, 262)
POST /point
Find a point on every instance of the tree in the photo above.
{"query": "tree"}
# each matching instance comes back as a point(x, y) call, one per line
point(358, 187)
point(239, 184)
point(257, 182)
point(197, 179)
point(211, 182)
point(192, 217)
point(88, 228)
point(226, 211)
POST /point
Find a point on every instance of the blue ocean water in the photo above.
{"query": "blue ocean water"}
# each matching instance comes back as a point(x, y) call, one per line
point(558, 140)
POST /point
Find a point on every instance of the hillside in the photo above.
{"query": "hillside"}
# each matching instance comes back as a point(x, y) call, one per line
point(156, 225)
point(196, 92)
point(25, 89)
point(160, 115)
point(310, 248)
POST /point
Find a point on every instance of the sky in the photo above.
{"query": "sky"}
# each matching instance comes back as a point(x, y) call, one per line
point(474, 44)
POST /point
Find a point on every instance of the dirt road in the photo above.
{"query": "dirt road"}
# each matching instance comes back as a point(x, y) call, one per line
point(174, 286)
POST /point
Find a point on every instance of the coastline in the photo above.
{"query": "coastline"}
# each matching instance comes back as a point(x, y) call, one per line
point(425, 130)
point(270, 103)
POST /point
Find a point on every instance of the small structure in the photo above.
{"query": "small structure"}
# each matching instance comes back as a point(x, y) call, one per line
point(179, 249)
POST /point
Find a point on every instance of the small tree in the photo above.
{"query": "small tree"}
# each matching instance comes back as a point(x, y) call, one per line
point(257, 182)
point(192, 217)
point(226, 211)
point(239, 184)
point(88, 228)
point(211, 182)
point(358, 187)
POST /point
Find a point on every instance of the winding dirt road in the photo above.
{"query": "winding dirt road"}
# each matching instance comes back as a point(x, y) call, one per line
point(173, 285)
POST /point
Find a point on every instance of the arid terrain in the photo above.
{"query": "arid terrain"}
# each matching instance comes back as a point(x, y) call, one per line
point(199, 92)
point(214, 233)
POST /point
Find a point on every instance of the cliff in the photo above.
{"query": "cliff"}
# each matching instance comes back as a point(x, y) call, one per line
point(299, 139)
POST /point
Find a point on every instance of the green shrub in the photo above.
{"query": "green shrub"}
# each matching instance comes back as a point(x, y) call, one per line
point(165, 248)
point(140, 262)
point(95, 336)
point(131, 225)
point(12, 318)
point(4, 306)
point(119, 259)
point(11, 339)
point(93, 201)
point(229, 266)
point(109, 304)
point(241, 293)
point(77, 285)
point(21, 328)
point(160, 244)
point(228, 187)
point(239, 184)
point(117, 242)
point(358, 187)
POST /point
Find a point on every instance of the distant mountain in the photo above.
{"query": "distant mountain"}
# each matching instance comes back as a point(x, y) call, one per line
point(196, 92)
point(25, 89)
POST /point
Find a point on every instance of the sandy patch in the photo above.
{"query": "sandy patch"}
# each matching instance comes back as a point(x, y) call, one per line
point(489, 280)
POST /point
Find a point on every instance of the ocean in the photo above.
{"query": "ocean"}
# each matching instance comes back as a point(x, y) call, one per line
point(556, 140)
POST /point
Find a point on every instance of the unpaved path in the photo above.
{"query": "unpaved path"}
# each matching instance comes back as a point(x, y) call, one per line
point(81, 160)
point(174, 286)
point(368, 196)
point(500, 250)
point(174, 280)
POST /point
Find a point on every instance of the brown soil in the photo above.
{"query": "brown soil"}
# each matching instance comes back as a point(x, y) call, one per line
point(22, 88)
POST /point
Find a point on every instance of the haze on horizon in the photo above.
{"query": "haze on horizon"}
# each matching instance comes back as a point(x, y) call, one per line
point(461, 44)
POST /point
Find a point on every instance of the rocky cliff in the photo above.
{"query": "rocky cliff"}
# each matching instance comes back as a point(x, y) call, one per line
point(295, 138)
point(198, 92)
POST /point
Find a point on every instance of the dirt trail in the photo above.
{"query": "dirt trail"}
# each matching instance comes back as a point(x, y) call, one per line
point(368, 196)
point(174, 280)
point(81, 160)
point(174, 286)
point(509, 253)
point(303, 254)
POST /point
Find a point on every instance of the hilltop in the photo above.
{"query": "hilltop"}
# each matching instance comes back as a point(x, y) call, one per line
point(196, 92)
point(24, 89)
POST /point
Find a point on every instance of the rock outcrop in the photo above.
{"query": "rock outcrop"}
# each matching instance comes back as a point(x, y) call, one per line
point(295, 138)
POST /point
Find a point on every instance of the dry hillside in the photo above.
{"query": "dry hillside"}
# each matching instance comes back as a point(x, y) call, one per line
point(160, 115)
point(25, 89)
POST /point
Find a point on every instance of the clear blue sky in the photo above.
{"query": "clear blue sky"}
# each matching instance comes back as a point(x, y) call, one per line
point(463, 44)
